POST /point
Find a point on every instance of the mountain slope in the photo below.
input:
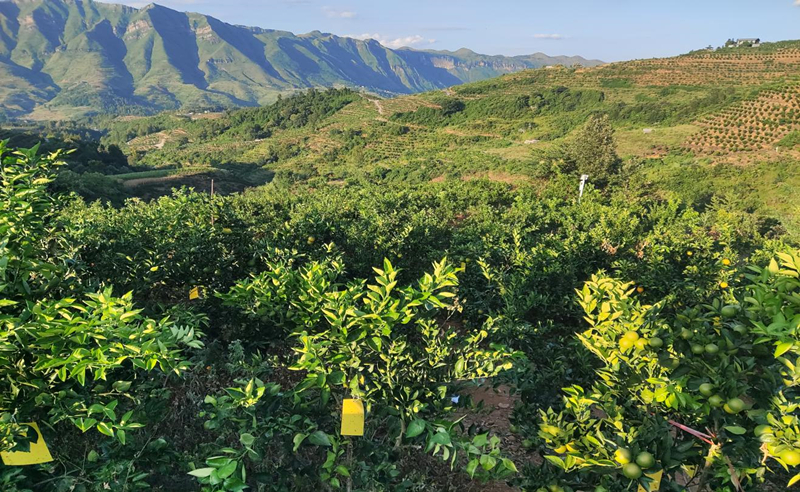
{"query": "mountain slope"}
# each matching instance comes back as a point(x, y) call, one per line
point(722, 125)
point(69, 57)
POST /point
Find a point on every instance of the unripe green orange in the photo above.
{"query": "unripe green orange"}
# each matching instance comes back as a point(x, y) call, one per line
point(729, 311)
point(716, 401)
point(762, 429)
point(632, 471)
point(645, 460)
point(623, 456)
point(707, 389)
point(735, 405)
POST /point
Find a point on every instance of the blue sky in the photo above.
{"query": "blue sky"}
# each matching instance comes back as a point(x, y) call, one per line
point(609, 30)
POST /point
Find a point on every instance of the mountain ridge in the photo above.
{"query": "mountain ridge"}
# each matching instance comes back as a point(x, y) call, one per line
point(64, 58)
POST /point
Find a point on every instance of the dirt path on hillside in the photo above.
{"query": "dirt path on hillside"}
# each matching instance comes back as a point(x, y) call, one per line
point(377, 103)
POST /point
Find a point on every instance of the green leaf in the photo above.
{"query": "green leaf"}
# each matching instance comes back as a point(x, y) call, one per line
point(509, 465)
point(441, 437)
point(415, 428)
point(341, 470)
point(472, 466)
point(782, 348)
point(202, 472)
point(298, 440)
point(122, 386)
point(227, 470)
point(733, 429)
point(556, 461)
point(105, 429)
point(374, 343)
point(319, 438)
point(247, 439)
point(488, 462)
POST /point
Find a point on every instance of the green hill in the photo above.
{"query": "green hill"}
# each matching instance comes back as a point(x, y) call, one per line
point(67, 58)
point(718, 124)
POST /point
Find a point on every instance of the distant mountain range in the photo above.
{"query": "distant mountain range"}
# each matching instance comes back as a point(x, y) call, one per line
point(67, 58)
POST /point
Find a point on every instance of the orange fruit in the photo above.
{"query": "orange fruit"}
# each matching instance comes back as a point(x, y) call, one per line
point(623, 456)
point(632, 471)
point(645, 460)
point(631, 335)
point(791, 457)
point(735, 405)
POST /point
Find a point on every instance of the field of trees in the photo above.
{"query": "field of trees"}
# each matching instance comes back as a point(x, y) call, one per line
point(429, 257)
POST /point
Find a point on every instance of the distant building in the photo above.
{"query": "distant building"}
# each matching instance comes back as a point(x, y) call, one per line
point(748, 42)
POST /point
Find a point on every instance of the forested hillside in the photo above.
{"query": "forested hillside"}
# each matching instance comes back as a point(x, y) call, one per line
point(63, 59)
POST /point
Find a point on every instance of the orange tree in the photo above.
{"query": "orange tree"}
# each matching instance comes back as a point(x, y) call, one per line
point(704, 393)
point(387, 345)
point(67, 358)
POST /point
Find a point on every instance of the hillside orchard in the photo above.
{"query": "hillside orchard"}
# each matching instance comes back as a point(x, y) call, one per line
point(672, 332)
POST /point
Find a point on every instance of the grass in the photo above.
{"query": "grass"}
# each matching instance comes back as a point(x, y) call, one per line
point(635, 142)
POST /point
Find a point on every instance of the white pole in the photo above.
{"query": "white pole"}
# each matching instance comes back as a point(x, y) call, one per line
point(583, 184)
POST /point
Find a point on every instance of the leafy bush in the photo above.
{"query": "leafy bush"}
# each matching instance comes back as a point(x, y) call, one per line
point(375, 342)
point(706, 390)
point(65, 359)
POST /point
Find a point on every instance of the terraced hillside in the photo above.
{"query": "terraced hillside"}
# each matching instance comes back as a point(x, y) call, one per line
point(724, 104)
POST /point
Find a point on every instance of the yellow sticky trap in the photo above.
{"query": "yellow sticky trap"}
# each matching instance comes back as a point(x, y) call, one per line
point(655, 484)
point(194, 293)
point(37, 454)
point(352, 418)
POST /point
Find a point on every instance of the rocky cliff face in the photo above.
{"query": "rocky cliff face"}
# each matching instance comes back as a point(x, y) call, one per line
point(78, 56)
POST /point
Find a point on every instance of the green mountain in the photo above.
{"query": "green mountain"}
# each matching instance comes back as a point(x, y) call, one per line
point(62, 58)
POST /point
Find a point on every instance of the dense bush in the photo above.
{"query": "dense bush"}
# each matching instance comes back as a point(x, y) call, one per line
point(706, 389)
point(66, 362)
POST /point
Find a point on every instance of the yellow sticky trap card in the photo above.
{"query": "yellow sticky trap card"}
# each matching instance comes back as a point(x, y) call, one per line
point(352, 418)
point(655, 484)
point(194, 293)
point(38, 452)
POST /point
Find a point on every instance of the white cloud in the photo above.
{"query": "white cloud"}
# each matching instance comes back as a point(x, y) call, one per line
point(556, 36)
point(338, 14)
point(390, 42)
